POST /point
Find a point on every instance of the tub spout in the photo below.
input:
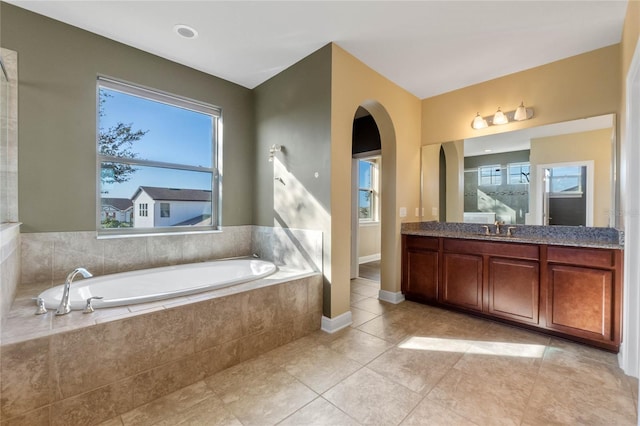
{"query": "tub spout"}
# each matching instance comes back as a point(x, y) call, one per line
point(65, 304)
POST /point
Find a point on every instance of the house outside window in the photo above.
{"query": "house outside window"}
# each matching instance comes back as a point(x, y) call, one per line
point(165, 210)
point(151, 139)
point(490, 175)
point(368, 189)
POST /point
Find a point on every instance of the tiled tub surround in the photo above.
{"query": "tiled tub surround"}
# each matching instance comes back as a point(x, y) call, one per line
point(578, 236)
point(82, 369)
point(9, 265)
point(91, 374)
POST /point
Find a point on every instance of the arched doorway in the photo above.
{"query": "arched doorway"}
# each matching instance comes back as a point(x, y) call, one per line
point(366, 169)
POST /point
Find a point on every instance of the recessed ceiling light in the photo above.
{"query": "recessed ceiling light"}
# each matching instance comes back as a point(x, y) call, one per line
point(185, 31)
point(487, 150)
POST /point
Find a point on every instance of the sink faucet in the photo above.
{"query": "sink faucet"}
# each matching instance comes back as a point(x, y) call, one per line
point(65, 304)
point(498, 223)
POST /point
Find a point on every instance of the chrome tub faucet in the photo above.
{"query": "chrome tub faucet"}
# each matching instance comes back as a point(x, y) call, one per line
point(65, 304)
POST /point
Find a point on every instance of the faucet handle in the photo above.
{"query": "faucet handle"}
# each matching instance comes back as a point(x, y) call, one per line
point(509, 229)
point(41, 309)
point(89, 308)
point(486, 229)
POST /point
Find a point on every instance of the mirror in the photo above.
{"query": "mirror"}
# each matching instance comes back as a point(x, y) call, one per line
point(556, 174)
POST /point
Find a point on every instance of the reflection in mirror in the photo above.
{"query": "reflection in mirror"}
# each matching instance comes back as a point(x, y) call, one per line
point(558, 174)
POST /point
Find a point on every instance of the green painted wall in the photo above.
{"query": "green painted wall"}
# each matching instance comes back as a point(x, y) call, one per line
point(58, 65)
point(293, 109)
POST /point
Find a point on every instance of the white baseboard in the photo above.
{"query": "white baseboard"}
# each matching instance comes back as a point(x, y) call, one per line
point(391, 297)
point(331, 325)
point(369, 258)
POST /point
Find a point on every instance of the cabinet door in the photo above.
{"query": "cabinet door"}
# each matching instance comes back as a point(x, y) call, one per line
point(580, 301)
point(462, 281)
point(422, 275)
point(514, 289)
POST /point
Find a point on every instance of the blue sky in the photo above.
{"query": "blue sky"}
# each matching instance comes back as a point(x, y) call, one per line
point(174, 135)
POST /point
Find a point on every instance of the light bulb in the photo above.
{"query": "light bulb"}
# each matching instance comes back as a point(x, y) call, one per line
point(479, 122)
point(521, 113)
point(500, 118)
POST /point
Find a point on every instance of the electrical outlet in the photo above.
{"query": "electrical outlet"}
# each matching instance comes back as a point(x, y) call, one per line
point(403, 212)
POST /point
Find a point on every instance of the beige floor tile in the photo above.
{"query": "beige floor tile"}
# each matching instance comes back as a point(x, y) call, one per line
point(584, 351)
point(367, 282)
point(355, 297)
point(521, 372)
point(497, 332)
point(374, 306)
point(572, 365)
point(262, 398)
point(320, 368)
point(494, 401)
point(370, 398)
point(319, 413)
point(210, 411)
point(359, 346)
point(417, 369)
point(364, 289)
point(175, 403)
point(243, 375)
point(560, 400)
point(117, 421)
point(383, 328)
point(359, 317)
point(432, 413)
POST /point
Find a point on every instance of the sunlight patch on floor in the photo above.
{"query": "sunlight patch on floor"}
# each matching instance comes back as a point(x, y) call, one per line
point(479, 347)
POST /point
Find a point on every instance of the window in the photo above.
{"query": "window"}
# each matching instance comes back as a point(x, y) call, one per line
point(565, 181)
point(165, 210)
point(490, 175)
point(155, 149)
point(518, 173)
point(368, 184)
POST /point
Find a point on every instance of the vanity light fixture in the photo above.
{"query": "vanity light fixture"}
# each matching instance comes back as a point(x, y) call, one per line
point(499, 117)
point(519, 114)
point(479, 122)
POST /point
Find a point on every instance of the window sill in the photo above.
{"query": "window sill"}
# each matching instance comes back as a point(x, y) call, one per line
point(101, 235)
point(369, 223)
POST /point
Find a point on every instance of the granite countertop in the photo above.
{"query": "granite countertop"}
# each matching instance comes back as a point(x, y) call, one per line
point(574, 236)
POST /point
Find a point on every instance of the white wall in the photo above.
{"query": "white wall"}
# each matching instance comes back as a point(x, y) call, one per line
point(369, 244)
point(179, 211)
point(143, 221)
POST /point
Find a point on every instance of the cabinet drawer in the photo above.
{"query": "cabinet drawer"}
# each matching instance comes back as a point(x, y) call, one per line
point(493, 248)
point(421, 243)
point(598, 258)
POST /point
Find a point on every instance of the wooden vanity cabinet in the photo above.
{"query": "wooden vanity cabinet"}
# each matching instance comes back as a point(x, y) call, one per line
point(420, 268)
point(572, 292)
point(500, 279)
point(584, 294)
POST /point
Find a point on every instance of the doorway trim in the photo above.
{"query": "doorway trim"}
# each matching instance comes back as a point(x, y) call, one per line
point(629, 355)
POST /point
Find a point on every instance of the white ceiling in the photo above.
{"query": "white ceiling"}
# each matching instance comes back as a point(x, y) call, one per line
point(426, 47)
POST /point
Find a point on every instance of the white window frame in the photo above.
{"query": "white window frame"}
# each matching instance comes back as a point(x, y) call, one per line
point(143, 209)
point(493, 167)
point(215, 169)
point(511, 165)
point(168, 205)
point(375, 190)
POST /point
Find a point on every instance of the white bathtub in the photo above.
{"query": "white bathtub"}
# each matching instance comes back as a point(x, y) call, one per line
point(149, 285)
